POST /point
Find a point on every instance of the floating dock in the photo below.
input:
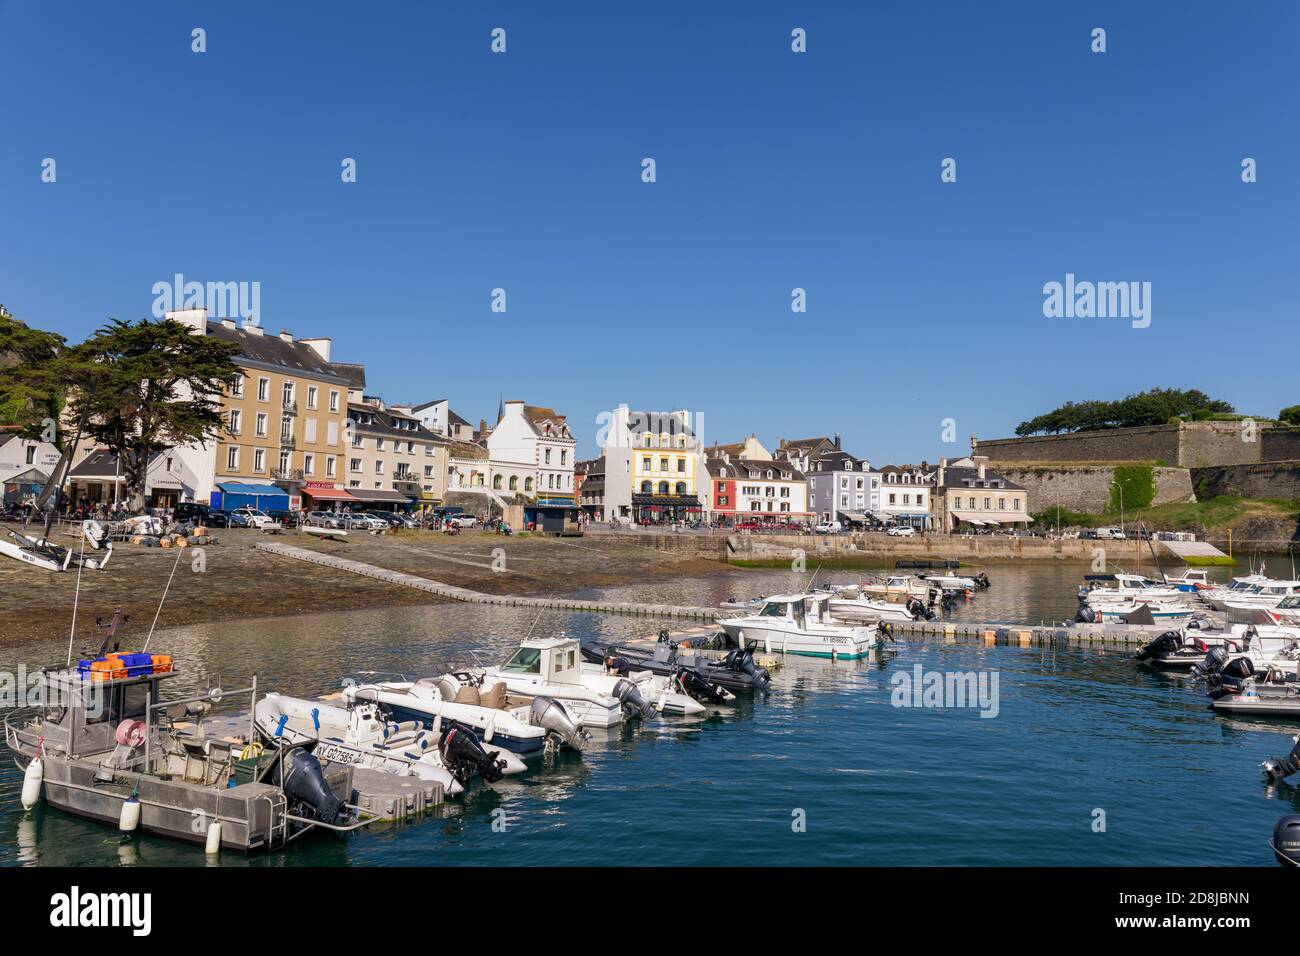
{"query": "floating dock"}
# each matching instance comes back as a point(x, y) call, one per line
point(479, 597)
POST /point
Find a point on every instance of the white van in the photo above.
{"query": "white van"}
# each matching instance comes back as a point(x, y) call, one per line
point(1112, 534)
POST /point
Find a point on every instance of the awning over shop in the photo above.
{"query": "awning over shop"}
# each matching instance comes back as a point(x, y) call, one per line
point(968, 518)
point(242, 488)
point(328, 494)
point(239, 494)
point(854, 516)
point(380, 496)
point(666, 501)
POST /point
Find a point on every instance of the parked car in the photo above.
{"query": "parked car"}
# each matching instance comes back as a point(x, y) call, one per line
point(363, 522)
point(829, 527)
point(901, 531)
point(194, 511)
point(464, 521)
point(325, 519)
point(253, 517)
point(395, 519)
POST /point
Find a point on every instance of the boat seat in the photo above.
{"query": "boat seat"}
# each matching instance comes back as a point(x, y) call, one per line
point(467, 695)
point(496, 697)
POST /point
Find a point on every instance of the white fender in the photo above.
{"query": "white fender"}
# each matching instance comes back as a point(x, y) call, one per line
point(213, 844)
point(129, 819)
point(489, 730)
point(33, 776)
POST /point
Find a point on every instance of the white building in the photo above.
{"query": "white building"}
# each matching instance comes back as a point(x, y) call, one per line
point(905, 494)
point(533, 441)
point(24, 464)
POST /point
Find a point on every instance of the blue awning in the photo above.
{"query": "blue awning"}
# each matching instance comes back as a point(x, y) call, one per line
point(240, 488)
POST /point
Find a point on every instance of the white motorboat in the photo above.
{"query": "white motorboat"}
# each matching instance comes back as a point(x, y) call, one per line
point(800, 624)
point(1267, 595)
point(1191, 579)
point(553, 667)
point(897, 588)
point(323, 532)
point(359, 737)
point(1162, 612)
point(524, 729)
point(1217, 597)
point(867, 610)
point(949, 582)
point(1118, 588)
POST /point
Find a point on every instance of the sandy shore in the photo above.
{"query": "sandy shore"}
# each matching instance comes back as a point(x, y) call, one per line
point(238, 581)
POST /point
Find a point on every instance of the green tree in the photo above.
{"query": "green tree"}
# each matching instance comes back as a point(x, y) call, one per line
point(1290, 415)
point(1153, 407)
point(143, 387)
point(31, 386)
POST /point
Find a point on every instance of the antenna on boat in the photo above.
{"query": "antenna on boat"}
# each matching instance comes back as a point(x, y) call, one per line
point(813, 579)
point(76, 595)
point(179, 552)
point(529, 632)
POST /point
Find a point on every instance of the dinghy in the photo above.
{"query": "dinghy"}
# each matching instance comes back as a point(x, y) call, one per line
point(484, 706)
point(357, 736)
point(698, 675)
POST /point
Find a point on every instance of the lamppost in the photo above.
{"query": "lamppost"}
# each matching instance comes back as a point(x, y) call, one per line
point(1120, 489)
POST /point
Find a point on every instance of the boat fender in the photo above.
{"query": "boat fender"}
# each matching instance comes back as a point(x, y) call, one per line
point(33, 776)
point(279, 726)
point(213, 844)
point(129, 818)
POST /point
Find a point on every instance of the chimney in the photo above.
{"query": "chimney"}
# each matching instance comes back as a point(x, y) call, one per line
point(251, 327)
point(320, 346)
point(285, 336)
point(837, 441)
point(228, 323)
point(943, 467)
point(196, 319)
point(980, 461)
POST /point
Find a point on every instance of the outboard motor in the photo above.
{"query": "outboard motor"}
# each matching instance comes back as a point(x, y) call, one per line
point(917, 609)
point(1286, 840)
point(742, 661)
point(305, 786)
point(464, 756)
point(1166, 644)
point(551, 716)
point(634, 705)
point(1233, 677)
point(695, 684)
point(1213, 663)
point(1277, 769)
point(1085, 615)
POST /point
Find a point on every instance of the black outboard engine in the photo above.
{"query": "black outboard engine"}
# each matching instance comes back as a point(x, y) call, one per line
point(696, 685)
point(741, 660)
point(1163, 646)
point(309, 794)
point(1286, 840)
point(917, 609)
point(1085, 615)
point(1277, 769)
point(1233, 677)
point(981, 580)
point(634, 705)
point(464, 756)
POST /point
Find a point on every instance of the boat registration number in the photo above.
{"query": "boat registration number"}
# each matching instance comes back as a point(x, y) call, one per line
point(336, 754)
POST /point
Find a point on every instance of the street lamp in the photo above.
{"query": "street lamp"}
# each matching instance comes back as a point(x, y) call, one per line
point(1120, 488)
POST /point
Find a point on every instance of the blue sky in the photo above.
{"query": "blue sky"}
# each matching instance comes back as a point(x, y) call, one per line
point(775, 171)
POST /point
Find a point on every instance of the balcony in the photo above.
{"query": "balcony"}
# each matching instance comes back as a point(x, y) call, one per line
point(287, 474)
point(290, 407)
point(402, 475)
point(287, 441)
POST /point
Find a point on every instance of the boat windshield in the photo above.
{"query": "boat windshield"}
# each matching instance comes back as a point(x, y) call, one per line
point(527, 660)
point(1290, 601)
point(773, 609)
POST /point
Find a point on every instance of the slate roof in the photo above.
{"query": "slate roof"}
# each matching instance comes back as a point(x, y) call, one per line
point(273, 353)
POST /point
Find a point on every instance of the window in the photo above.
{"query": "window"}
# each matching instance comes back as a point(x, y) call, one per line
point(263, 389)
point(663, 487)
point(681, 465)
point(354, 464)
point(309, 464)
point(330, 466)
point(663, 464)
point(259, 459)
point(645, 463)
point(986, 503)
point(496, 482)
point(646, 488)
point(237, 390)
point(261, 424)
point(1002, 504)
point(31, 454)
point(288, 393)
point(379, 466)
point(232, 458)
point(1015, 504)
point(285, 462)
point(334, 400)
point(286, 428)
point(379, 444)
point(514, 482)
point(311, 396)
point(235, 415)
point(563, 456)
point(528, 484)
point(547, 456)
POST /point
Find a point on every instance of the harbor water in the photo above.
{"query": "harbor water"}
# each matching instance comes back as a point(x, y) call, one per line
point(1087, 759)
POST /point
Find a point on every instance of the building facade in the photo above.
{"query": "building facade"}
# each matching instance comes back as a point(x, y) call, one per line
point(654, 467)
point(393, 460)
point(970, 497)
point(533, 442)
point(906, 493)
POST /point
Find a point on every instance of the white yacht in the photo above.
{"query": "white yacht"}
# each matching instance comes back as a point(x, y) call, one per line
point(867, 610)
point(800, 624)
point(1216, 597)
point(553, 667)
point(1269, 594)
point(1120, 588)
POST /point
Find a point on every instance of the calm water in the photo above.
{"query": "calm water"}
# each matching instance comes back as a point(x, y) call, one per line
point(1077, 730)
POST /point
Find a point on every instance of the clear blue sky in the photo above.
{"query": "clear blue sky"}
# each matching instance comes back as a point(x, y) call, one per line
point(775, 170)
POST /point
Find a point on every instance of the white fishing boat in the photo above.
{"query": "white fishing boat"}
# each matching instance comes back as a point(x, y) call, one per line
point(867, 610)
point(1118, 588)
point(1267, 595)
point(1191, 579)
point(896, 588)
point(800, 624)
point(553, 667)
point(359, 736)
point(1162, 612)
point(525, 729)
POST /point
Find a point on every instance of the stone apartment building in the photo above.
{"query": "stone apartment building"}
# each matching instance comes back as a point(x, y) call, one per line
point(393, 460)
point(970, 496)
